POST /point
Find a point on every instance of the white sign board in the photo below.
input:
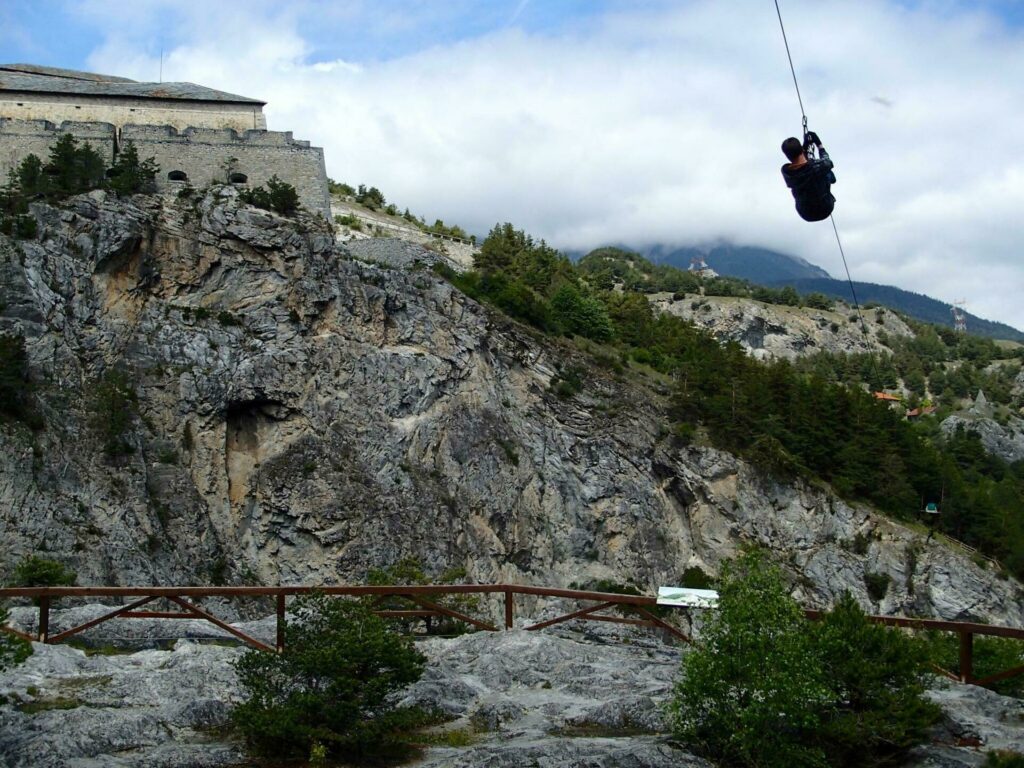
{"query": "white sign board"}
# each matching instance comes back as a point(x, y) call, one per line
point(684, 597)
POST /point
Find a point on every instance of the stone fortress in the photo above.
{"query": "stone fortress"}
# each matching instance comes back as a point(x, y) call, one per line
point(197, 135)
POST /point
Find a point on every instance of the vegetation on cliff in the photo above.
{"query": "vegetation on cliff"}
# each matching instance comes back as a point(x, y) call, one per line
point(70, 170)
point(608, 267)
point(17, 390)
point(788, 419)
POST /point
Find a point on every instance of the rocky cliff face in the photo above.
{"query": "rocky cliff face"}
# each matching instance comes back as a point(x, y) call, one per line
point(774, 331)
point(1003, 440)
point(302, 416)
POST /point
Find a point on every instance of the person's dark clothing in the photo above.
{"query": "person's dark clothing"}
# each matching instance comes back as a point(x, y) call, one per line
point(811, 184)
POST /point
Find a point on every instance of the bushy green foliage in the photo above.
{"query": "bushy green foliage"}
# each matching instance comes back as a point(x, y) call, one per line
point(877, 585)
point(17, 392)
point(695, 577)
point(349, 220)
point(332, 685)
point(70, 170)
point(279, 196)
point(876, 676)
point(753, 692)
point(453, 230)
point(35, 571)
point(580, 314)
point(992, 655)
point(1001, 758)
point(766, 688)
point(336, 188)
point(114, 405)
point(372, 198)
point(409, 570)
point(130, 175)
point(13, 649)
point(606, 267)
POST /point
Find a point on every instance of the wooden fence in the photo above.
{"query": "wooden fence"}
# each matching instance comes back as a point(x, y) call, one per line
point(425, 597)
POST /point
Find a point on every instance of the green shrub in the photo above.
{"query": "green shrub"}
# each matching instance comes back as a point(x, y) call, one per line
point(25, 227)
point(349, 220)
point(1002, 758)
point(279, 196)
point(130, 175)
point(336, 188)
point(409, 570)
point(753, 692)
point(334, 683)
point(765, 688)
point(13, 650)
point(70, 170)
point(695, 577)
point(568, 382)
point(35, 571)
point(877, 585)
point(992, 655)
point(878, 711)
point(114, 405)
point(17, 392)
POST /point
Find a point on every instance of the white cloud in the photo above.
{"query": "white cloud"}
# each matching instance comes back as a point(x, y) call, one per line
point(663, 125)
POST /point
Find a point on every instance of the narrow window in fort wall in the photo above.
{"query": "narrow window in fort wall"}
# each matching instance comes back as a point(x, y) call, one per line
point(177, 176)
point(238, 178)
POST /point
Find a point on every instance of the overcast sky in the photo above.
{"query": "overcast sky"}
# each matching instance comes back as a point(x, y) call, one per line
point(594, 121)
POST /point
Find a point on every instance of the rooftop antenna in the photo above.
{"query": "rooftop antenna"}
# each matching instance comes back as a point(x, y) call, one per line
point(161, 59)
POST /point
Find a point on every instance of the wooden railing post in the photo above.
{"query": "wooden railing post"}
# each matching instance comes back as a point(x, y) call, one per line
point(44, 618)
point(509, 609)
point(966, 657)
point(280, 621)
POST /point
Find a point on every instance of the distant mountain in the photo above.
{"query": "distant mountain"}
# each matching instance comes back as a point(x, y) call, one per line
point(916, 305)
point(758, 265)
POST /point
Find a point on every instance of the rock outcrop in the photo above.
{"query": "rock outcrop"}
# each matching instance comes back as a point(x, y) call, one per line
point(1003, 440)
point(302, 416)
point(771, 331)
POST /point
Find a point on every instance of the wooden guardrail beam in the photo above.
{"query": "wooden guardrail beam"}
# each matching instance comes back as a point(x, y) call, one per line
point(419, 593)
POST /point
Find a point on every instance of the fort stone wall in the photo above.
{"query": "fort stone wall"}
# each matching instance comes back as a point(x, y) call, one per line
point(21, 138)
point(122, 110)
point(201, 156)
point(194, 156)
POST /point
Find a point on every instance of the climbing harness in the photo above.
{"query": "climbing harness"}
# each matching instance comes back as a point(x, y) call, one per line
point(803, 114)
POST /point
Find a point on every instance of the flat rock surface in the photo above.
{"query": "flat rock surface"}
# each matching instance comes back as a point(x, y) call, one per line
point(554, 698)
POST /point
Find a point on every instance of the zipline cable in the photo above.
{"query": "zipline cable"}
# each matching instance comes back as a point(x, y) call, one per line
point(803, 114)
point(792, 69)
point(849, 279)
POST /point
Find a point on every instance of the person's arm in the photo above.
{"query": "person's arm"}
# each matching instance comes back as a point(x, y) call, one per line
point(825, 160)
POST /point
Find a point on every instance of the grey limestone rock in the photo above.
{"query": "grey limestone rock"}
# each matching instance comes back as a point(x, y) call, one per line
point(772, 331)
point(1003, 440)
point(524, 698)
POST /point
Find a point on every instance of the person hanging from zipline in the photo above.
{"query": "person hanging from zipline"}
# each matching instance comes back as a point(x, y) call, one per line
point(810, 177)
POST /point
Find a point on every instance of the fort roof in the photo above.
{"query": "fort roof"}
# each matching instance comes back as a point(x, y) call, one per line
point(28, 78)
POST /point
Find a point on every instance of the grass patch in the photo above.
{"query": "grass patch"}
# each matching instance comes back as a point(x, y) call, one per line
point(47, 705)
point(588, 730)
point(458, 737)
